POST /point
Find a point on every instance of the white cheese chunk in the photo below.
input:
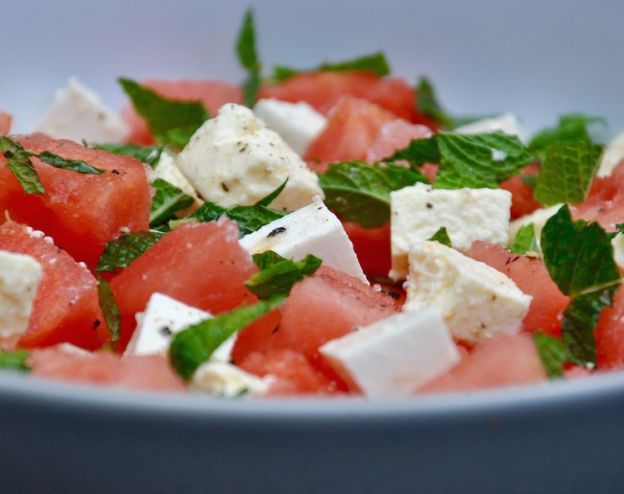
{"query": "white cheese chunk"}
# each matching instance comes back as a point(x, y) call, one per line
point(223, 379)
point(19, 278)
point(167, 170)
point(467, 214)
point(235, 160)
point(394, 356)
point(476, 301)
point(77, 113)
point(618, 250)
point(313, 229)
point(73, 349)
point(507, 123)
point(537, 218)
point(297, 123)
point(612, 156)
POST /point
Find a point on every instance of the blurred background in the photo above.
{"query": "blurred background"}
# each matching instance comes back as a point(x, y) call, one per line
point(536, 58)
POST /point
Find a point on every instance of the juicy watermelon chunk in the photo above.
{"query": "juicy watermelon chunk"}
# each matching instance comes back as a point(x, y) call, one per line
point(151, 373)
point(66, 308)
point(394, 135)
point(509, 360)
point(610, 335)
point(213, 94)
point(522, 199)
point(5, 123)
point(531, 276)
point(200, 264)
point(81, 212)
point(372, 247)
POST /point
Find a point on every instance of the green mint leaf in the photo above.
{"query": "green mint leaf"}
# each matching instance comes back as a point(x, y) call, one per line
point(442, 237)
point(109, 309)
point(553, 353)
point(195, 344)
point(428, 105)
point(579, 258)
point(77, 166)
point(167, 201)
point(149, 155)
point(572, 128)
point(14, 361)
point(566, 172)
point(375, 63)
point(620, 228)
point(418, 152)
point(172, 122)
point(266, 201)
point(360, 192)
point(278, 275)
point(248, 57)
point(122, 252)
point(525, 240)
point(21, 166)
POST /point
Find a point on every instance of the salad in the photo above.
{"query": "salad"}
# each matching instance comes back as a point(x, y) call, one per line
point(322, 231)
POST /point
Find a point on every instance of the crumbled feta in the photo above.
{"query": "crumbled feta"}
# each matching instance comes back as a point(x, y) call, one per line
point(297, 123)
point(476, 301)
point(537, 218)
point(394, 356)
point(223, 379)
point(467, 214)
point(313, 229)
point(19, 278)
point(78, 114)
point(507, 123)
point(612, 156)
point(235, 160)
point(168, 170)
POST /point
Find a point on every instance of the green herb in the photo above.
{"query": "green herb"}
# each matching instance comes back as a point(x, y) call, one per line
point(21, 166)
point(572, 128)
point(375, 63)
point(172, 122)
point(567, 172)
point(553, 353)
point(475, 161)
point(248, 57)
point(525, 241)
point(167, 201)
point(266, 201)
point(109, 309)
point(579, 258)
point(360, 192)
point(122, 252)
point(442, 237)
point(149, 155)
point(195, 344)
point(278, 275)
point(15, 361)
point(77, 166)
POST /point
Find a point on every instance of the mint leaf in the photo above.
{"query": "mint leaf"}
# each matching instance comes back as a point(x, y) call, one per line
point(77, 166)
point(248, 57)
point(553, 353)
point(278, 275)
point(122, 252)
point(442, 237)
point(167, 201)
point(579, 258)
point(428, 105)
point(172, 122)
point(572, 128)
point(14, 361)
point(360, 192)
point(109, 308)
point(525, 240)
point(195, 344)
point(149, 155)
point(21, 166)
point(376, 63)
point(566, 172)
point(266, 201)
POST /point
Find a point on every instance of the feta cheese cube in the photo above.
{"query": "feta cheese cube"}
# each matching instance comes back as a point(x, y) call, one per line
point(297, 123)
point(235, 160)
point(476, 301)
point(618, 250)
point(313, 229)
point(468, 215)
point(223, 379)
point(19, 278)
point(168, 170)
point(612, 156)
point(77, 113)
point(394, 356)
point(507, 123)
point(537, 218)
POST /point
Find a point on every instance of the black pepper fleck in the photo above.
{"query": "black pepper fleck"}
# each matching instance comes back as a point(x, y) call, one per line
point(115, 172)
point(276, 231)
point(275, 329)
point(429, 205)
point(165, 331)
point(225, 187)
point(96, 323)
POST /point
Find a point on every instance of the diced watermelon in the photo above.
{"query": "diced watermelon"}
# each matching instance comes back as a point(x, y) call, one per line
point(352, 127)
point(372, 246)
point(509, 360)
point(394, 135)
point(200, 264)
point(5, 123)
point(151, 373)
point(610, 335)
point(214, 94)
point(82, 212)
point(522, 200)
point(66, 308)
point(531, 276)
